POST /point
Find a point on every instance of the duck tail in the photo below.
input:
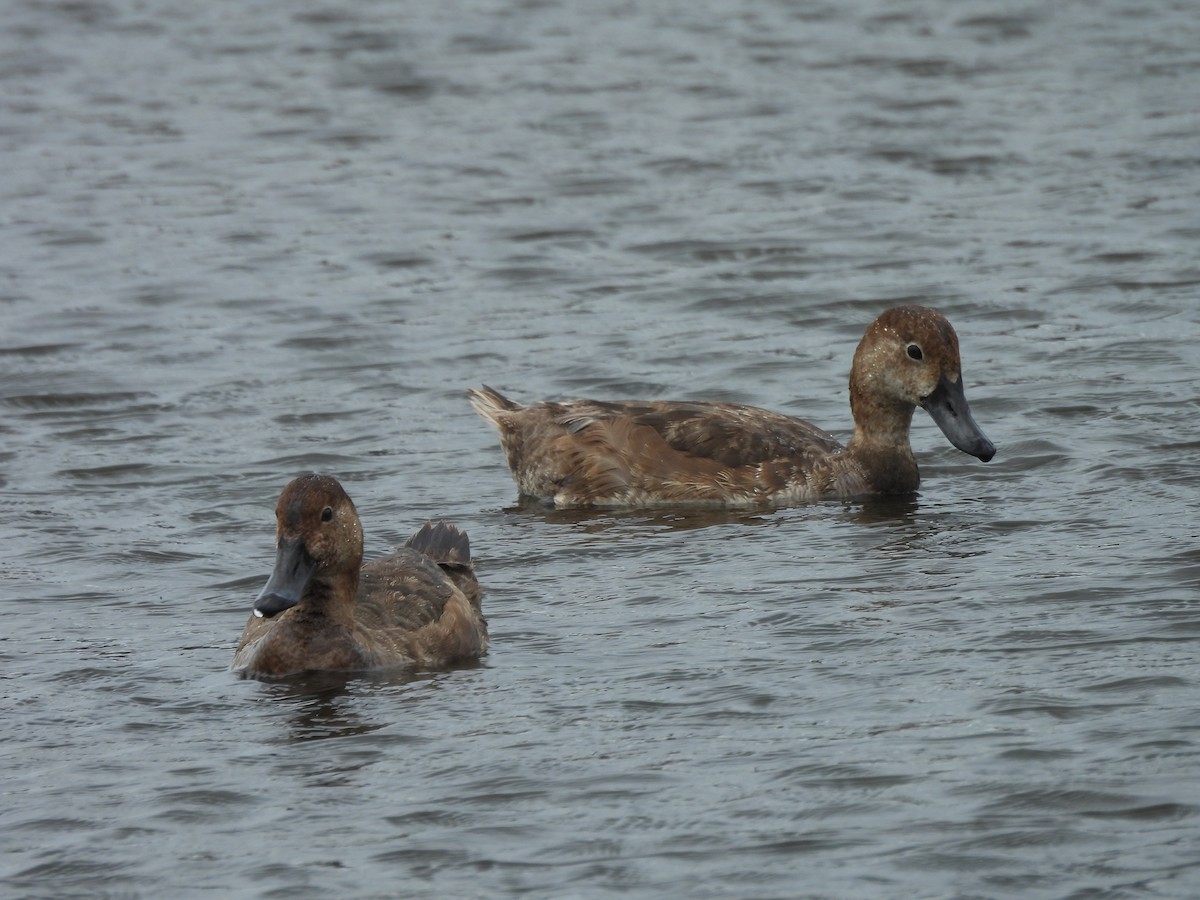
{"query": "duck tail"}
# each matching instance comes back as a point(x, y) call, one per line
point(449, 547)
point(491, 404)
point(442, 542)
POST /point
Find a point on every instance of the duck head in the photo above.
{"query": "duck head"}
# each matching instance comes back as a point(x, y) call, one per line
point(909, 358)
point(319, 543)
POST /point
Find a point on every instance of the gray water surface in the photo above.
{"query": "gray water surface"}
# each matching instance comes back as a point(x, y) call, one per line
point(240, 241)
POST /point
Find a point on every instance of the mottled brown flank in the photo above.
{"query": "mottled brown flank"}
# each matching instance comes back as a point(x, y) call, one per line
point(419, 607)
point(410, 607)
point(725, 433)
point(640, 453)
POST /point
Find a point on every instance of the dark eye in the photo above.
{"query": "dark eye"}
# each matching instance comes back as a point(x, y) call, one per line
point(914, 352)
point(327, 514)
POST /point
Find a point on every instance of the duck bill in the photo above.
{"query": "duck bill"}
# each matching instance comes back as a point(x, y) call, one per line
point(948, 407)
point(284, 589)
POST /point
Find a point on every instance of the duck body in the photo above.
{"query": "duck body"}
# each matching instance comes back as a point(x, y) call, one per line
point(647, 453)
point(322, 610)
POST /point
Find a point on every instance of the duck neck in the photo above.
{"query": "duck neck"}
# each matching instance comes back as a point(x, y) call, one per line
point(880, 444)
point(330, 598)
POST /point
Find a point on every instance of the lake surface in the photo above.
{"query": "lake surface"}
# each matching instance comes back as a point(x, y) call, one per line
point(240, 241)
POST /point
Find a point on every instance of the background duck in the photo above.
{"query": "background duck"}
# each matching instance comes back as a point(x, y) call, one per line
point(643, 453)
point(322, 609)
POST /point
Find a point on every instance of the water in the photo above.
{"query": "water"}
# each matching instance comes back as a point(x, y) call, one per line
point(241, 241)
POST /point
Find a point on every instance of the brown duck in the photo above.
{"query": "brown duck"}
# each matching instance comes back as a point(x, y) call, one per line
point(322, 609)
point(646, 453)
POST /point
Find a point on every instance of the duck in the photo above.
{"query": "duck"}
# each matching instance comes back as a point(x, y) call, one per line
point(642, 453)
point(323, 610)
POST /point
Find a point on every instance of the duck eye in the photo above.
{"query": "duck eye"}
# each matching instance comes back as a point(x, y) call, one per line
point(327, 514)
point(914, 352)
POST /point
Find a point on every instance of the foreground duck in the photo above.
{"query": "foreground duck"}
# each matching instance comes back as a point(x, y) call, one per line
point(645, 453)
point(322, 609)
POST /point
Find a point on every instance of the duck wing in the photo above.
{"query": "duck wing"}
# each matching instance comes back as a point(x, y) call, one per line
point(404, 591)
point(726, 433)
point(423, 601)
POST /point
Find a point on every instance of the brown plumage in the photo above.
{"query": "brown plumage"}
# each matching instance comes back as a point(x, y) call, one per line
point(322, 609)
point(645, 453)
